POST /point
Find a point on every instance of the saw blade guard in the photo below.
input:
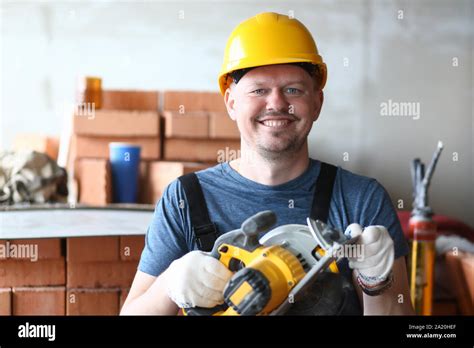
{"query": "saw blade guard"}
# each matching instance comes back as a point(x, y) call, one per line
point(308, 242)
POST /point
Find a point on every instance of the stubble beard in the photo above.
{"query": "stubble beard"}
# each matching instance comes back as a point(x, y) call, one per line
point(275, 152)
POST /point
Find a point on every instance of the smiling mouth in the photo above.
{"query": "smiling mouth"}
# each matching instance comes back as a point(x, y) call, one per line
point(275, 123)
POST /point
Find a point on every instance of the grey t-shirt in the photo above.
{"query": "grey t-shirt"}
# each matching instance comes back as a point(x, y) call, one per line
point(232, 198)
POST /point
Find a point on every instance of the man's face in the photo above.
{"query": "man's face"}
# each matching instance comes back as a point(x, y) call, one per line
point(274, 107)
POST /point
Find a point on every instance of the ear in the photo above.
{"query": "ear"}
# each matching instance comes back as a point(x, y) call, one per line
point(318, 103)
point(229, 100)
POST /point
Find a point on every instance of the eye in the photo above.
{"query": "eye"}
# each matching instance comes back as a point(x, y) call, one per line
point(259, 91)
point(293, 91)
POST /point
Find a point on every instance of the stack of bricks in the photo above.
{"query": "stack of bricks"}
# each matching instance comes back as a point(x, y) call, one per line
point(34, 285)
point(125, 116)
point(193, 133)
point(92, 275)
point(100, 271)
point(195, 130)
point(74, 276)
point(197, 127)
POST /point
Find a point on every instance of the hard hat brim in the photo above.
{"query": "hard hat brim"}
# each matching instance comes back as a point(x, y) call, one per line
point(225, 80)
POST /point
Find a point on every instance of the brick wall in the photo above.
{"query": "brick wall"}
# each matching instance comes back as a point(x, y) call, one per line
point(73, 276)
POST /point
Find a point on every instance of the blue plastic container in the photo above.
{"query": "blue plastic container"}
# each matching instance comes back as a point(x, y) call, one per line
point(125, 164)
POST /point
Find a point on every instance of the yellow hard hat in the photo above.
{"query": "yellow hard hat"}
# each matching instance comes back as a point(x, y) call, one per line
point(266, 39)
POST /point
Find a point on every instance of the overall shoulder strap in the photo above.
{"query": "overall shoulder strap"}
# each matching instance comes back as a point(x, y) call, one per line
point(323, 192)
point(205, 231)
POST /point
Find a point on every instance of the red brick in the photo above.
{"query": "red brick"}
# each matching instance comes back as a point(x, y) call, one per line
point(85, 249)
point(182, 101)
point(123, 296)
point(213, 101)
point(221, 126)
point(160, 174)
point(129, 100)
point(37, 142)
point(188, 101)
point(188, 125)
point(118, 123)
point(94, 178)
point(100, 274)
point(198, 150)
point(48, 248)
point(98, 147)
point(131, 247)
point(16, 273)
point(92, 301)
point(39, 301)
point(6, 301)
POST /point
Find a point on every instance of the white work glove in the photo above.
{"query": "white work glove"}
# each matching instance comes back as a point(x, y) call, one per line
point(196, 280)
point(376, 261)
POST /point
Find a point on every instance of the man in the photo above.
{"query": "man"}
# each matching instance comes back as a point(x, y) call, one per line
point(272, 80)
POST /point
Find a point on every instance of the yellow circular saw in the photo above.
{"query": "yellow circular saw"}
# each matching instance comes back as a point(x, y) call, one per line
point(272, 272)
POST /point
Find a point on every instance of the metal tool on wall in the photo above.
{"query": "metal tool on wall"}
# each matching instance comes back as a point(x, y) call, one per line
point(422, 231)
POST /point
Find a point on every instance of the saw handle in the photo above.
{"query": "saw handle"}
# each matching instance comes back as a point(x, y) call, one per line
point(255, 225)
point(245, 238)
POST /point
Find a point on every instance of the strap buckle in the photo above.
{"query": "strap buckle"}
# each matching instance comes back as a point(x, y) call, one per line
point(206, 236)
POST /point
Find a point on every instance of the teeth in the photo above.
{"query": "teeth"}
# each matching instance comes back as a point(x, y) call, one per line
point(272, 123)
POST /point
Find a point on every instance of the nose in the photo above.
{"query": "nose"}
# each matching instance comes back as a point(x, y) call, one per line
point(276, 101)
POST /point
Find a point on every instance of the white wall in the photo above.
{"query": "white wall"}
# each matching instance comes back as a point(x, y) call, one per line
point(372, 56)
